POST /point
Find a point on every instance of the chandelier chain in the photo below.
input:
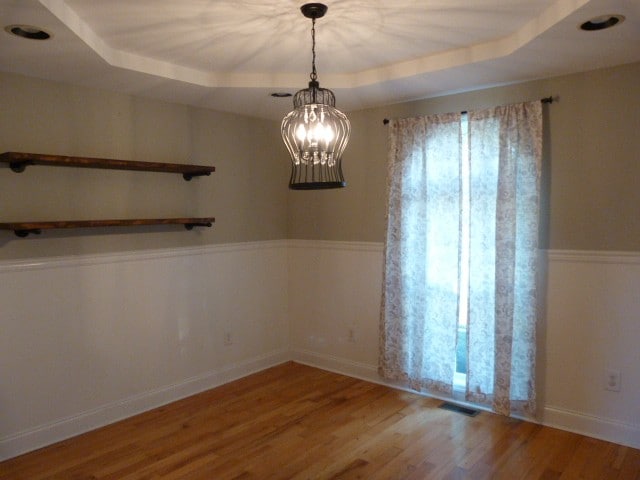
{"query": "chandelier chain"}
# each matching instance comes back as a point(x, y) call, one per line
point(314, 74)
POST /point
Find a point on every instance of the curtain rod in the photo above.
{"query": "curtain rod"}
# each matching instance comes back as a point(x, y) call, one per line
point(543, 100)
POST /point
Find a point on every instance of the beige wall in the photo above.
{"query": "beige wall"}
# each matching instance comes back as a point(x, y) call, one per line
point(592, 165)
point(247, 194)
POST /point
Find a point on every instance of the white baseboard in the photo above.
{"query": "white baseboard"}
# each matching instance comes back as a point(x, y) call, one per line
point(50, 433)
point(362, 371)
point(596, 427)
point(570, 421)
point(47, 434)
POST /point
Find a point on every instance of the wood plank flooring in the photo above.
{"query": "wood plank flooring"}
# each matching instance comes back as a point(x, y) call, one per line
point(298, 422)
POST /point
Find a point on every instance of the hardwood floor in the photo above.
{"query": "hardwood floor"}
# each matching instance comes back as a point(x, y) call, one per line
point(297, 422)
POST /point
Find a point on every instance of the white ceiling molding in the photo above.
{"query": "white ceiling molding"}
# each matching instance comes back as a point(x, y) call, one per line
point(488, 50)
point(229, 55)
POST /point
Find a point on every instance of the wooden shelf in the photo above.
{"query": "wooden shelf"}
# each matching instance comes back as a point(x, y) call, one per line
point(22, 229)
point(19, 161)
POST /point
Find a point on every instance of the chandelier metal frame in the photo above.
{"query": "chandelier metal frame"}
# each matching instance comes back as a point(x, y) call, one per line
point(315, 132)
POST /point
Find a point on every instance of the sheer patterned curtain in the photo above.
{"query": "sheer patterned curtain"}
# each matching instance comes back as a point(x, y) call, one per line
point(462, 229)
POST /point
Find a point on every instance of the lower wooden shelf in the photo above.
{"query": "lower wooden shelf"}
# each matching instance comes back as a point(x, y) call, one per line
point(23, 229)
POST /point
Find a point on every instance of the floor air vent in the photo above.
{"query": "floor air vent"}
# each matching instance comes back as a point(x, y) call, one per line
point(469, 412)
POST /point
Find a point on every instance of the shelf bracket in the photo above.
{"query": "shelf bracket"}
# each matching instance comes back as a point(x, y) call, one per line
point(189, 176)
point(25, 233)
point(189, 226)
point(18, 167)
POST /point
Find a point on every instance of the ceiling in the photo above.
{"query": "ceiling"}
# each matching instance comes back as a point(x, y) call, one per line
point(230, 55)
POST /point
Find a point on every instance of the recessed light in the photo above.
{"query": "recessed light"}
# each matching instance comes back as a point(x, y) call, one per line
point(280, 94)
point(601, 22)
point(28, 31)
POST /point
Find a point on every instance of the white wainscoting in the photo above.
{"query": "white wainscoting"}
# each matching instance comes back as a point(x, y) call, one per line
point(592, 322)
point(88, 340)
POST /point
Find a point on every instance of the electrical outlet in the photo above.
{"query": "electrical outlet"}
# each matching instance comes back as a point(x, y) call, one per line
point(228, 339)
point(612, 380)
point(351, 336)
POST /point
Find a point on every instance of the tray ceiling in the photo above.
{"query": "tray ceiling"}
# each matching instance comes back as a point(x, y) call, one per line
point(230, 55)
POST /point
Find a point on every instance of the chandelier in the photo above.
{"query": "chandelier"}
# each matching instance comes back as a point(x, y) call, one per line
point(315, 132)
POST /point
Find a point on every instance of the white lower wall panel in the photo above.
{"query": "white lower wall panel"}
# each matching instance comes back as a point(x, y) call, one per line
point(590, 321)
point(88, 340)
point(592, 324)
point(334, 298)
